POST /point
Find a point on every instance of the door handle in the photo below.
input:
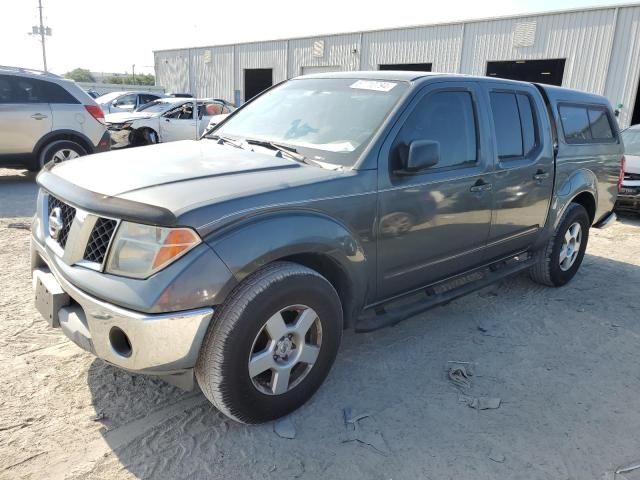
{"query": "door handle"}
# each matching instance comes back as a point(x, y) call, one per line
point(540, 175)
point(481, 186)
point(38, 116)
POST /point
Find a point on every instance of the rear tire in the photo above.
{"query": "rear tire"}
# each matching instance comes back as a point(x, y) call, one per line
point(280, 298)
point(60, 151)
point(561, 257)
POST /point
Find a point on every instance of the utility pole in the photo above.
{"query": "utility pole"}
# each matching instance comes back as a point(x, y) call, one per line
point(133, 68)
point(44, 48)
point(42, 32)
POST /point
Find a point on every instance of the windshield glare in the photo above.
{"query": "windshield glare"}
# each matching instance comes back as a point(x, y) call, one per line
point(330, 120)
point(631, 140)
point(157, 106)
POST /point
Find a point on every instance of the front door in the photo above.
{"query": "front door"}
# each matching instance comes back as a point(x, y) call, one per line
point(179, 124)
point(434, 223)
point(25, 114)
point(524, 173)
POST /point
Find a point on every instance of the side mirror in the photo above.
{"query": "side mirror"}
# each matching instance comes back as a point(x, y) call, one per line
point(422, 154)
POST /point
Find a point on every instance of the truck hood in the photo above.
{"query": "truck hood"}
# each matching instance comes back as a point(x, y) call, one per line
point(122, 117)
point(123, 171)
point(186, 182)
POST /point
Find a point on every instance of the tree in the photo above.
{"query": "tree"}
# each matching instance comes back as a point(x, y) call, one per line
point(140, 79)
point(80, 75)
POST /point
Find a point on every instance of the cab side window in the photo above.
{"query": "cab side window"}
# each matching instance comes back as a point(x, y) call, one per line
point(446, 117)
point(586, 124)
point(514, 123)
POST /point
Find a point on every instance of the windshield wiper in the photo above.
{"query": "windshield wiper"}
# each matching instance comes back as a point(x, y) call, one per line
point(287, 150)
point(223, 139)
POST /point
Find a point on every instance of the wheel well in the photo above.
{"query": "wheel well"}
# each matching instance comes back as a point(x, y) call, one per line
point(588, 202)
point(331, 270)
point(66, 136)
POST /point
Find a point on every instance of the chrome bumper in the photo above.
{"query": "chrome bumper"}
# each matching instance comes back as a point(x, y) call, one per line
point(160, 344)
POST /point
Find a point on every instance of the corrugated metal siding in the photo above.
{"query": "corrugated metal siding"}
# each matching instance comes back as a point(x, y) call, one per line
point(261, 55)
point(439, 45)
point(338, 51)
point(172, 70)
point(213, 78)
point(624, 68)
point(583, 38)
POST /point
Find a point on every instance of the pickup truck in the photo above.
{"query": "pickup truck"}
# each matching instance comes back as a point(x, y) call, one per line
point(331, 201)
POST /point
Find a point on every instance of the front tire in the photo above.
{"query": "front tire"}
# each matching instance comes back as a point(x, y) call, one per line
point(559, 260)
point(271, 344)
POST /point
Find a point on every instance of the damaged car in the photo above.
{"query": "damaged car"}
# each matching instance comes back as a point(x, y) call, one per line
point(164, 120)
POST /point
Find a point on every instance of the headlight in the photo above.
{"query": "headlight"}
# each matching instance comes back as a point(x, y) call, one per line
point(139, 251)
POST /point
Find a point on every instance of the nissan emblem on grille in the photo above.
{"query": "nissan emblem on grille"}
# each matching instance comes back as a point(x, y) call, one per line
point(56, 224)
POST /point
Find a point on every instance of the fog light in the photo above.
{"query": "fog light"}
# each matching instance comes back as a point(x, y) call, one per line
point(120, 342)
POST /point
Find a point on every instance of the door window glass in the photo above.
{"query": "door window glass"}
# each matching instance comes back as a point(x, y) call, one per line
point(447, 118)
point(506, 120)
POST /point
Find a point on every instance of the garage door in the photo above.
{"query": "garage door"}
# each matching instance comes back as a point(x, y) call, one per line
point(322, 69)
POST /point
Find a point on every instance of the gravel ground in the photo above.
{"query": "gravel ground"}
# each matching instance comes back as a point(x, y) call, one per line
point(562, 361)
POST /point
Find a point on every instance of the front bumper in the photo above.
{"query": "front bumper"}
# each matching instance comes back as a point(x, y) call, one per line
point(120, 137)
point(160, 344)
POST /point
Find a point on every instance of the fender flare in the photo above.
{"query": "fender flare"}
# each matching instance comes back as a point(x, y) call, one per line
point(63, 134)
point(298, 234)
point(581, 181)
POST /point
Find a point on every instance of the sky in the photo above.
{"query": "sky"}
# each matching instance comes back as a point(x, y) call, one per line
point(113, 35)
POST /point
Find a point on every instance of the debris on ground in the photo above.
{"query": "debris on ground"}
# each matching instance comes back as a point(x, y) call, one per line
point(98, 417)
point(496, 456)
point(629, 467)
point(285, 428)
point(481, 403)
point(19, 226)
point(366, 433)
point(460, 375)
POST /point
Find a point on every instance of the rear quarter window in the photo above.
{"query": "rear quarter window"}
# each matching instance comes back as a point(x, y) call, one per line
point(586, 124)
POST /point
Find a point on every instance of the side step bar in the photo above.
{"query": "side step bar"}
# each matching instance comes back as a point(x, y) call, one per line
point(445, 292)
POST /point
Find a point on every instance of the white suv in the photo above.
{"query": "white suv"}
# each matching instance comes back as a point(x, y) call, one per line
point(46, 118)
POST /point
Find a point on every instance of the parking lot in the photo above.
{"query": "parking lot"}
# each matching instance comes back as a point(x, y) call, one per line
point(562, 361)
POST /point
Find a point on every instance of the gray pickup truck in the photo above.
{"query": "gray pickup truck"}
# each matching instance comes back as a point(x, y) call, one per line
point(332, 201)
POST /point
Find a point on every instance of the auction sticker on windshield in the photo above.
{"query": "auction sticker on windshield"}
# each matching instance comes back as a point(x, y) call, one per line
point(373, 85)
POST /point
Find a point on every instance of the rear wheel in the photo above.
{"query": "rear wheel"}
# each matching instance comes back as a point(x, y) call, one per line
point(562, 256)
point(271, 344)
point(60, 151)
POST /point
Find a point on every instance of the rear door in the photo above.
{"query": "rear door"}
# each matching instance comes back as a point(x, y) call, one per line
point(179, 124)
point(435, 223)
point(524, 166)
point(25, 114)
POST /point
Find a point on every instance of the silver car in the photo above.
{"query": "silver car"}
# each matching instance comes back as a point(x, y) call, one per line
point(46, 118)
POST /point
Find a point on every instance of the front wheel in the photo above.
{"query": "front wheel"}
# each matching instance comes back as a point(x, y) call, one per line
point(271, 344)
point(560, 259)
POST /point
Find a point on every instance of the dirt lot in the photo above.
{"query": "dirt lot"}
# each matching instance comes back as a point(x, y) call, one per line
point(564, 363)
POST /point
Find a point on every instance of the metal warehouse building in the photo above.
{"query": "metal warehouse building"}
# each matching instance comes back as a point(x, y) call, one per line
point(597, 50)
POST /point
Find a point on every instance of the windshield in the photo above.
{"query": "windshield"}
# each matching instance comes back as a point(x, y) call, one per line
point(329, 120)
point(108, 97)
point(157, 106)
point(631, 140)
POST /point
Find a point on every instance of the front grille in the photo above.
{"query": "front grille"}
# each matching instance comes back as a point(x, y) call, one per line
point(632, 176)
point(67, 214)
point(99, 240)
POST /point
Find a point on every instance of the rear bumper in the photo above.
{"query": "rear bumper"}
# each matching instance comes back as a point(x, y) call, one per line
point(629, 198)
point(157, 344)
point(104, 144)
